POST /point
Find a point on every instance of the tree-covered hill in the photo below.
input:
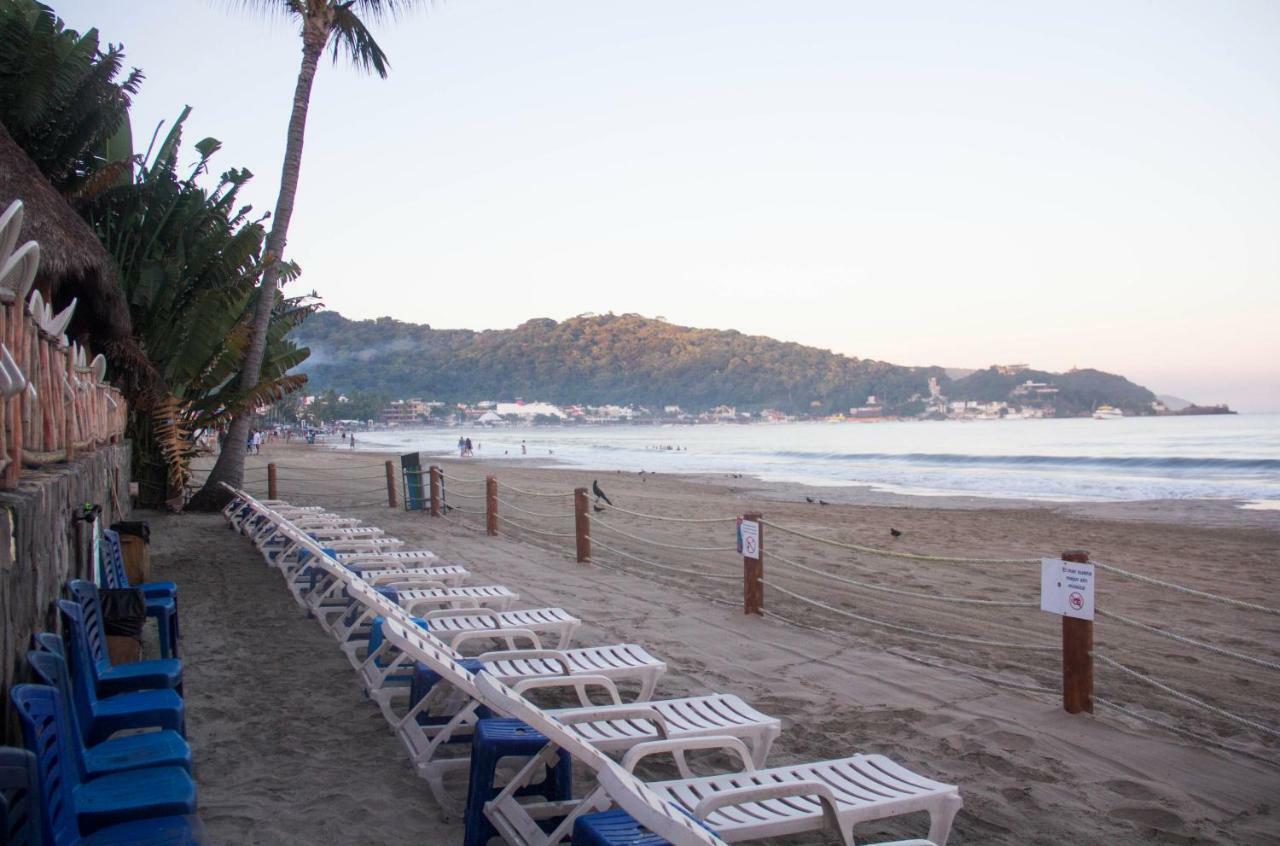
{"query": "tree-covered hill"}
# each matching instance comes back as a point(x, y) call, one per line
point(630, 359)
point(601, 359)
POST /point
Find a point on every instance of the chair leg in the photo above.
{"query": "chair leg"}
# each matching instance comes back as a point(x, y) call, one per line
point(940, 820)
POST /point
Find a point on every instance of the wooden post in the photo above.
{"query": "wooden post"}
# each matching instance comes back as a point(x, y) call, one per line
point(435, 490)
point(273, 491)
point(582, 524)
point(491, 505)
point(1077, 653)
point(391, 485)
point(753, 573)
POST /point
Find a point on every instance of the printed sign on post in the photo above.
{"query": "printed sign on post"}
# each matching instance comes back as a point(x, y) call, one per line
point(749, 538)
point(1066, 588)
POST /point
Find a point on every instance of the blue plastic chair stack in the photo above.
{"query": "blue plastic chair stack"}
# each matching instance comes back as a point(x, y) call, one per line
point(19, 802)
point(103, 716)
point(161, 597)
point(118, 754)
point(142, 807)
point(109, 678)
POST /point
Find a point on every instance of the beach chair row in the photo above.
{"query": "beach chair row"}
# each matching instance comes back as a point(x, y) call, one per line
point(106, 761)
point(404, 619)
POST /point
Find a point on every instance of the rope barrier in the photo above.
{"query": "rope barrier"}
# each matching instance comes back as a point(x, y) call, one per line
point(608, 548)
point(504, 503)
point(890, 553)
point(1129, 712)
point(525, 528)
point(514, 489)
point(462, 510)
point(466, 496)
point(1183, 589)
point(1261, 662)
point(462, 479)
point(882, 589)
point(652, 542)
point(1188, 698)
point(924, 633)
point(714, 600)
point(672, 519)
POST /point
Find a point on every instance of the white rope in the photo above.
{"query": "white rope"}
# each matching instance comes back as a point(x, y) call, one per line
point(466, 496)
point(907, 629)
point(505, 504)
point(459, 508)
point(1261, 662)
point(882, 589)
point(890, 553)
point(661, 566)
point(1183, 589)
point(672, 519)
point(513, 488)
point(1129, 712)
point(652, 542)
point(461, 479)
point(523, 527)
point(1189, 699)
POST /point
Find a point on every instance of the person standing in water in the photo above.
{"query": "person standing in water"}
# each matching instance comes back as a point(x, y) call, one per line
point(524, 450)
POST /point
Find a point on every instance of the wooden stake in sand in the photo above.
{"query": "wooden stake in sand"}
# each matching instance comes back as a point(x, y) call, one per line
point(272, 489)
point(582, 524)
point(434, 471)
point(391, 485)
point(1077, 653)
point(753, 569)
point(491, 505)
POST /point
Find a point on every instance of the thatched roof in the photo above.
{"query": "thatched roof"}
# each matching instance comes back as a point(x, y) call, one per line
point(73, 262)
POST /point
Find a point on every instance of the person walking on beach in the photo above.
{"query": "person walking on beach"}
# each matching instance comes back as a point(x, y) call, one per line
point(462, 446)
point(467, 449)
point(524, 450)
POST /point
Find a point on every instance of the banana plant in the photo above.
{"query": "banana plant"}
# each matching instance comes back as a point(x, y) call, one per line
point(190, 262)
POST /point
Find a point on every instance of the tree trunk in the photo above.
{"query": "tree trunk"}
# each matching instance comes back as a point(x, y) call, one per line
point(230, 465)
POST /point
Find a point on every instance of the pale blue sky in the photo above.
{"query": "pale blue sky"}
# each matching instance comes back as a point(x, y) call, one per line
point(956, 183)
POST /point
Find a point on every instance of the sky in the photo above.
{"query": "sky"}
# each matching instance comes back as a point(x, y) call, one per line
point(1085, 184)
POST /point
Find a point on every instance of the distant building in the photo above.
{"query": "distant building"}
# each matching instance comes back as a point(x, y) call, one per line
point(529, 410)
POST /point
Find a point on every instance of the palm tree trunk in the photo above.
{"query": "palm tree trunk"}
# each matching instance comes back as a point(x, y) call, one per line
point(230, 465)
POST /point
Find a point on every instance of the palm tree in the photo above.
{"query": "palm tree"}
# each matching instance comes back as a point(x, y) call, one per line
point(337, 25)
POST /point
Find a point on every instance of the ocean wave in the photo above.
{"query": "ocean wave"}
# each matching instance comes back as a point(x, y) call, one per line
point(1169, 462)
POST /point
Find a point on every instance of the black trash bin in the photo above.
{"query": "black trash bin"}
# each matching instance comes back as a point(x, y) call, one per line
point(124, 612)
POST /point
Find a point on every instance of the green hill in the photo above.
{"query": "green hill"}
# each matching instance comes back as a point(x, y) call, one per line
point(628, 359)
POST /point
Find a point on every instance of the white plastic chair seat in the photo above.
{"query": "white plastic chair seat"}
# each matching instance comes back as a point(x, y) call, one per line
point(342, 532)
point(450, 574)
point(866, 787)
point(553, 621)
point(496, 597)
point(390, 558)
point(616, 662)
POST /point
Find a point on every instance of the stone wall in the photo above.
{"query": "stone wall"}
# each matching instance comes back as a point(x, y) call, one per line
point(42, 546)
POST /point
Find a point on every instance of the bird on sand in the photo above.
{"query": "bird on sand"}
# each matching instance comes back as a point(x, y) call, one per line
point(595, 489)
point(810, 499)
point(823, 502)
point(895, 533)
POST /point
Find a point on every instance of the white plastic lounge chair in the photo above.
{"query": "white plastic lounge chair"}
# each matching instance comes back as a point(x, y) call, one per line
point(405, 557)
point(614, 726)
point(747, 805)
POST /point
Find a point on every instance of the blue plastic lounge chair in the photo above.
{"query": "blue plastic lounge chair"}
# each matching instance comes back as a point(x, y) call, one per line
point(120, 754)
point(161, 597)
point(117, 678)
point(105, 801)
point(102, 717)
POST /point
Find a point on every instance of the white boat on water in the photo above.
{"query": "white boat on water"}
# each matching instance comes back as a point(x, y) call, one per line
point(1106, 412)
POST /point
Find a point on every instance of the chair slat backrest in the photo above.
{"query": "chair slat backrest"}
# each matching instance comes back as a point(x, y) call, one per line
point(19, 798)
point(85, 594)
point(52, 669)
point(112, 565)
point(84, 683)
point(45, 733)
point(649, 809)
point(418, 646)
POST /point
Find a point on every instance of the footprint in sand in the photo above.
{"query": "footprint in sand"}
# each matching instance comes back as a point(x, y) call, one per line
point(1011, 741)
point(1158, 819)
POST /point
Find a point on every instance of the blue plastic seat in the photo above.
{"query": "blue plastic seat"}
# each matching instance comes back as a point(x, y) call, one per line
point(119, 754)
point(493, 740)
point(105, 801)
point(161, 597)
point(117, 678)
point(613, 828)
point(104, 716)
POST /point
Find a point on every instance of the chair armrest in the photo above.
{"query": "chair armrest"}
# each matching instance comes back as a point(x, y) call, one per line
point(529, 655)
point(678, 747)
point(441, 613)
point(578, 683)
point(763, 792)
point(610, 712)
point(509, 635)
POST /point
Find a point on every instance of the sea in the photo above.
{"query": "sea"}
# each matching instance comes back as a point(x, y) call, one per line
point(1223, 457)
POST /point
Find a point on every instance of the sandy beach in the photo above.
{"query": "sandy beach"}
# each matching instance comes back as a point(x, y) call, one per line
point(290, 751)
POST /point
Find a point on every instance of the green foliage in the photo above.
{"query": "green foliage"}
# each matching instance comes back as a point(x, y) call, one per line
point(604, 359)
point(60, 98)
point(1079, 391)
point(360, 405)
point(189, 261)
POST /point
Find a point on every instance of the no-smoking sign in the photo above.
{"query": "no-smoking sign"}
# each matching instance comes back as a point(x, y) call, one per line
point(1066, 588)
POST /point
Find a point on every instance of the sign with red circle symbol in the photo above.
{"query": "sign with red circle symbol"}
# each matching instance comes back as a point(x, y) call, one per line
point(1077, 600)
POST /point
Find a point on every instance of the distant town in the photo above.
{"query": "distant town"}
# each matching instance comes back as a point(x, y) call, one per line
point(1028, 400)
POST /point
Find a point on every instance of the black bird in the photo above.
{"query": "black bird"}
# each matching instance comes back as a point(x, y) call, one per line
point(597, 508)
point(823, 502)
point(595, 489)
point(895, 533)
point(809, 499)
